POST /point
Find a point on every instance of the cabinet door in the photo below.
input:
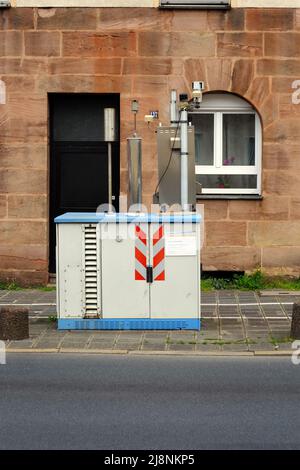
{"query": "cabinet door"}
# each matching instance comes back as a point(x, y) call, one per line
point(70, 276)
point(125, 292)
point(174, 256)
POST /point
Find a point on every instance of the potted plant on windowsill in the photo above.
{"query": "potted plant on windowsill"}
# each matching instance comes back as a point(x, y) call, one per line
point(223, 181)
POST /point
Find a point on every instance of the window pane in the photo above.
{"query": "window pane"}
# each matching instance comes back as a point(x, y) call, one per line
point(204, 138)
point(238, 139)
point(227, 181)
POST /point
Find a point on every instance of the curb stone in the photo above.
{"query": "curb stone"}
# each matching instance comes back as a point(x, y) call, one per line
point(155, 353)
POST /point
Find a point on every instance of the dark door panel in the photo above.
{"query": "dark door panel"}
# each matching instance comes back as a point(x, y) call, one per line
point(82, 175)
point(79, 168)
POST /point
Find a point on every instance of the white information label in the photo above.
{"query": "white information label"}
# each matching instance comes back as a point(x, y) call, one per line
point(181, 245)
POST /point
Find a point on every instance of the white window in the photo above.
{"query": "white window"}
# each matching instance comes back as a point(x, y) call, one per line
point(227, 145)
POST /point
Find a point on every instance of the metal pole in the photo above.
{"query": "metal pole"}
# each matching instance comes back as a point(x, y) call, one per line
point(173, 108)
point(109, 137)
point(184, 159)
point(134, 154)
point(109, 176)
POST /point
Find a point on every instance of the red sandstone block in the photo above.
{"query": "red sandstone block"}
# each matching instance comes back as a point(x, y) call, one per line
point(258, 91)
point(117, 44)
point(287, 108)
point(30, 107)
point(218, 73)
point(15, 83)
point(295, 208)
point(190, 20)
point(272, 233)
point(264, 19)
point(11, 43)
point(269, 110)
point(282, 44)
point(278, 67)
point(23, 181)
point(3, 206)
point(16, 131)
point(225, 233)
point(191, 44)
point(27, 206)
point(283, 183)
point(283, 85)
point(42, 43)
point(28, 257)
point(215, 210)
point(25, 277)
point(282, 257)
point(77, 66)
point(243, 71)
point(281, 156)
point(232, 20)
point(134, 19)
point(240, 44)
point(230, 258)
point(22, 156)
point(23, 232)
point(150, 86)
point(84, 84)
point(66, 18)
point(284, 130)
point(159, 66)
point(23, 66)
point(194, 69)
point(17, 18)
point(270, 208)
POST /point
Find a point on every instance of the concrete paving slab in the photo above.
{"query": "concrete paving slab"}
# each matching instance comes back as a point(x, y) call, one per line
point(228, 311)
point(100, 345)
point(181, 347)
point(207, 347)
point(127, 346)
point(72, 345)
point(235, 347)
point(262, 346)
point(153, 347)
point(48, 344)
point(26, 343)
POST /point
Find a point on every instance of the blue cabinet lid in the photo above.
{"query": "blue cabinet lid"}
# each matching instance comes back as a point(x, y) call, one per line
point(124, 217)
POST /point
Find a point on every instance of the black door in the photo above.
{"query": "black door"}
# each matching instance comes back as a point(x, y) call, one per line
point(79, 156)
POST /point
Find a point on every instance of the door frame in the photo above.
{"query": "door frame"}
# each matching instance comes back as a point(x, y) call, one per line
point(52, 166)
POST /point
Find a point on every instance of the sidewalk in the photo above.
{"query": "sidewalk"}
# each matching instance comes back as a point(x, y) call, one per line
point(233, 322)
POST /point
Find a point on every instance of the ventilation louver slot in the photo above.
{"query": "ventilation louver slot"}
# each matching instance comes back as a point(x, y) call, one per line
point(91, 270)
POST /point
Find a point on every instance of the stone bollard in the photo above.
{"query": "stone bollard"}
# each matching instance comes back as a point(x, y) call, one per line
point(14, 323)
point(295, 327)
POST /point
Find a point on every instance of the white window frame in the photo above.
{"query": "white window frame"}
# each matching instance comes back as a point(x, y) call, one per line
point(218, 168)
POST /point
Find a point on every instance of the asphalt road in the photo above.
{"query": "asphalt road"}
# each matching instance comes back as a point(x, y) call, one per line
point(62, 401)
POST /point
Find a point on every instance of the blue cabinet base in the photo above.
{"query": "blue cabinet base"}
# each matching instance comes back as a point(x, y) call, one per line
point(129, 324)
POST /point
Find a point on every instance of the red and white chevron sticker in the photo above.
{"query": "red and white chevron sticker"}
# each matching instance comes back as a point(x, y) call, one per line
point(158, 243)
point(140, 254)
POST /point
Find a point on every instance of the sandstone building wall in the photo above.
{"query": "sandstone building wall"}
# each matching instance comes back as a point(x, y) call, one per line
point(142, 53)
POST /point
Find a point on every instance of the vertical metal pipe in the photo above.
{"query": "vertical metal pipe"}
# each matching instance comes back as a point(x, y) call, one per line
point(134, 153)
point(109, 176)
point(173, 108)
point(109, 137)
point(184, 160)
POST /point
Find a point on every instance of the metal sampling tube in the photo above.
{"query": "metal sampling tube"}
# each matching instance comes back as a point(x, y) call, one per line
point(109, 136)
point(173, 108)
point(134, 154)
point(184, 159)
